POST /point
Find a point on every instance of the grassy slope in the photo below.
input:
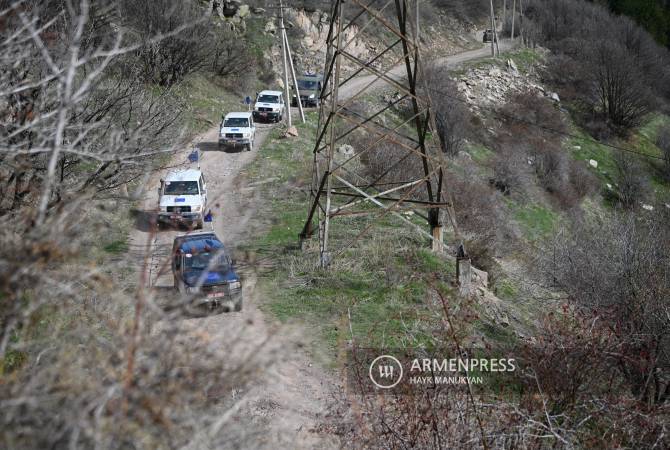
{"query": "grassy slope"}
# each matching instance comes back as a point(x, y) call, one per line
point(377, 283)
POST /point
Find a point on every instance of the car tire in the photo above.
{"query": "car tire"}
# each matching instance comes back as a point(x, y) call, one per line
point(250, 146)
point(198, 225)
point(238, 305)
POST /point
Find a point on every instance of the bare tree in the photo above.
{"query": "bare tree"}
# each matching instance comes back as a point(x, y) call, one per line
point(663, 143)
point(622, 90)
point(188, 46)
point(87, 358)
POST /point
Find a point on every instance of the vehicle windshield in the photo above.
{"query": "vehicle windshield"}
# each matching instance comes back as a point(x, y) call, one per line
point(307, 85)
point(268, 99)
point(206, 261)
point(236, 122)
point(181, 188)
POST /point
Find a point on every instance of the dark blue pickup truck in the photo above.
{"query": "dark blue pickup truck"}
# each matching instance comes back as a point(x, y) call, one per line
point(203, 270)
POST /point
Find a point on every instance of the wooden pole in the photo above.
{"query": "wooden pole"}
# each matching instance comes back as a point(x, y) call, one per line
point(295, 79)
point(493, 30)
point(504, 15)
point(287, 93)
point(513, 16)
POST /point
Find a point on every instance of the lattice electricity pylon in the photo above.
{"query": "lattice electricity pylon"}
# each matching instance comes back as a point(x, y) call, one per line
point(338, 188)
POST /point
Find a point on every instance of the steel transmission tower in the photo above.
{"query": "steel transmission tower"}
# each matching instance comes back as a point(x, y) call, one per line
point(341, 187)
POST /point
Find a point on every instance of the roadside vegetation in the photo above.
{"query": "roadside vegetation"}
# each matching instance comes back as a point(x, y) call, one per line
point(95, 97)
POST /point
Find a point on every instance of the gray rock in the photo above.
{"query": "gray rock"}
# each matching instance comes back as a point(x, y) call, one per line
point(346, 150)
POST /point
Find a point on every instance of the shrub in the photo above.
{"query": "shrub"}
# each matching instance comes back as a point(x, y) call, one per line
point(452, 117)
point(631, 180)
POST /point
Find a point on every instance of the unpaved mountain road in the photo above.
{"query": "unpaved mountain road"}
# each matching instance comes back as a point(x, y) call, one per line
point(398, 72)
point(285, 406)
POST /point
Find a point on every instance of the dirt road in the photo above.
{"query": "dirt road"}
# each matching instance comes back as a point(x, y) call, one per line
point(285, 408)
point(398, 72)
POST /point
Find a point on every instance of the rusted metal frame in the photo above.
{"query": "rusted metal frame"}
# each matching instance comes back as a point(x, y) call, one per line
point(372, 61)
point(371, 146)
point(361, 212)
point(374, 184)
point(380, 75)
point(383, 21)
point(364, 126)
point(321, 135)
point(357, 175)
point(306, 230)
point(330, 64)
point(377, 78)
point(388, 191)
point(321, 126)
point(384, 127)
point(421, 131)
point(324, 254)
point(329, 40)
point(441, 179)
point(348, 132)
point(372, 20)
point(420, 203)
point(385, 211)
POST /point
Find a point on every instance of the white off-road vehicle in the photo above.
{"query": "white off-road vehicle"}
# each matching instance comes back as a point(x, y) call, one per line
point(237, 130)
point(182, 198)
point(269, 106)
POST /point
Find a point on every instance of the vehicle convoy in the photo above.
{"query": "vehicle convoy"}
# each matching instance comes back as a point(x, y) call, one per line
point(182, 198)
point(237, 130)
point(269, 106)
point(204, 270)
point(309, 90)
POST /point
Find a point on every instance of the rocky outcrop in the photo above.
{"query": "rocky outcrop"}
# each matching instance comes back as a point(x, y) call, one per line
point(491, 85)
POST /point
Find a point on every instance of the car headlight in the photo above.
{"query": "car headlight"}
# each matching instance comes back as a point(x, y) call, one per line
point(246, 135)
point(311, 96)
point(192, 289)
point(163, 208)
point(235, 285)
point(197, 208)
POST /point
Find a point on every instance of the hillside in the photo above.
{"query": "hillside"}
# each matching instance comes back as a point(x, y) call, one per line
point(482, 226)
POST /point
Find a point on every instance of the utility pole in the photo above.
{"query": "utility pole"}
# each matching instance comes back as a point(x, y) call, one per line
point(417, 21)
point(493, 30)
point(513, 15)
point(521, 20)
point(494, 41)
point(504, 16)
point(287, 98)
point(295, 79)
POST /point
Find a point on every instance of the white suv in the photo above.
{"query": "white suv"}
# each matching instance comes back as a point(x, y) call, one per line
point(237, 129)
point(182, 198)
point(269, 106)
